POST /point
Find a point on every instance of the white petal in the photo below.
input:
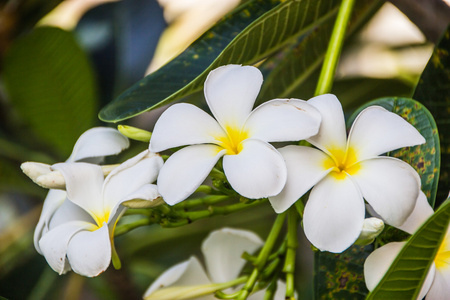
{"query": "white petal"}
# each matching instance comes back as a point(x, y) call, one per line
point(146, 193)
point(223, 249)
point(187, 273)
point(258, 171)
point(98, 142)
point(68, 211)
point(440, 287)
point(84, 185)
point(376, 131)
point(55, 242)
point(379, 261)
point(89, 252)
point(334, 214)
point(130, 176)
point(422, 211)
point(390, 186)
point(332, 132)
point(231, 91)
point(52, 202)
point(184, 124)
point(185, 170)
point(305, 167)
point(282, 120)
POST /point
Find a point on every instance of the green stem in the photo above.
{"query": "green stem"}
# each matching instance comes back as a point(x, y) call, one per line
point(207, 200)
point(262, 257)
point(189, 217)
point(334, 48)
point(292, 244)
point(124, 228)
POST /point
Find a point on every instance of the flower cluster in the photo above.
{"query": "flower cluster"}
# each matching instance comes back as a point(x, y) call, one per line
point(76, 229)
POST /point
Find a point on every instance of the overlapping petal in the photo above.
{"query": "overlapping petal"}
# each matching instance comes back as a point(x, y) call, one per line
point(184, 124)
point(390, 186)
point(129, 177)
point(376, 131)
point(334, 214)
point(185, 170)
point(222, 250)
point(422, 211)
point(231, 91)
point(332, 132)
point(98, 142)
point(258, 171)
point(187, 273)
point(54, 243)
point(282, 120)
point(89, 252)
point(53, 200)
point(304, 170)
point(84, 185)
point(67, 212)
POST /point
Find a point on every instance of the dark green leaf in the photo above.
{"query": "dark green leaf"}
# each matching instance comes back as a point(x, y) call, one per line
point(252, 32)
point(433, 91)
point(286, 70)
point(51, 85)
point(340, 276)
point(424, 158)
point(404, 278)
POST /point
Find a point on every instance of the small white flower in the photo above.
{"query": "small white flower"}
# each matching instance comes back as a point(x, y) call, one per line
point(253, 167)
point(81, 230)
point(92, 146)
point(341, 172)
point(222, 251)
point(437, 283)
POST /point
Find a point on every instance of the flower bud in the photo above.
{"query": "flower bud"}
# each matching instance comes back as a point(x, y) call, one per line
point(372, 227)
point(135, 133)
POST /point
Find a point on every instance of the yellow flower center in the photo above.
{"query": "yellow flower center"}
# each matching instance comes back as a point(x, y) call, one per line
point(442, 259)
point(342, 162)
point(101, 218)
point(232, 141)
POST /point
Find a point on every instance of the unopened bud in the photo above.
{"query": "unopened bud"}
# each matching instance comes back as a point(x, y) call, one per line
point(141, 203)
point(135, 133)
point(44, 176)
point(372, 227)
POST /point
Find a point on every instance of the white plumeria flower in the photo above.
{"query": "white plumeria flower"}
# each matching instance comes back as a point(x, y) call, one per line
point(344, 171)
point(92, 146)
point(222, 251)
point(437, 283)
point(81, 230)
point(253, 167)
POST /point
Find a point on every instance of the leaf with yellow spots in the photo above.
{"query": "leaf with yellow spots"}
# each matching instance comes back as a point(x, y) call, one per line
point(425, 158)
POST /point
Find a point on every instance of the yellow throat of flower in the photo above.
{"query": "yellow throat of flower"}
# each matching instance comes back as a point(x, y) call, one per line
point(232, 141)
point(101, 218)
point(442, 259)
point(342, 162)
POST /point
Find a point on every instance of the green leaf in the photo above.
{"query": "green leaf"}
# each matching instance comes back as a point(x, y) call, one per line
point(433, 91)
point(51, 85)
point(284, 72)
point(404, 278)
point(340, 276)
point(425, 158)
point(252, 32)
